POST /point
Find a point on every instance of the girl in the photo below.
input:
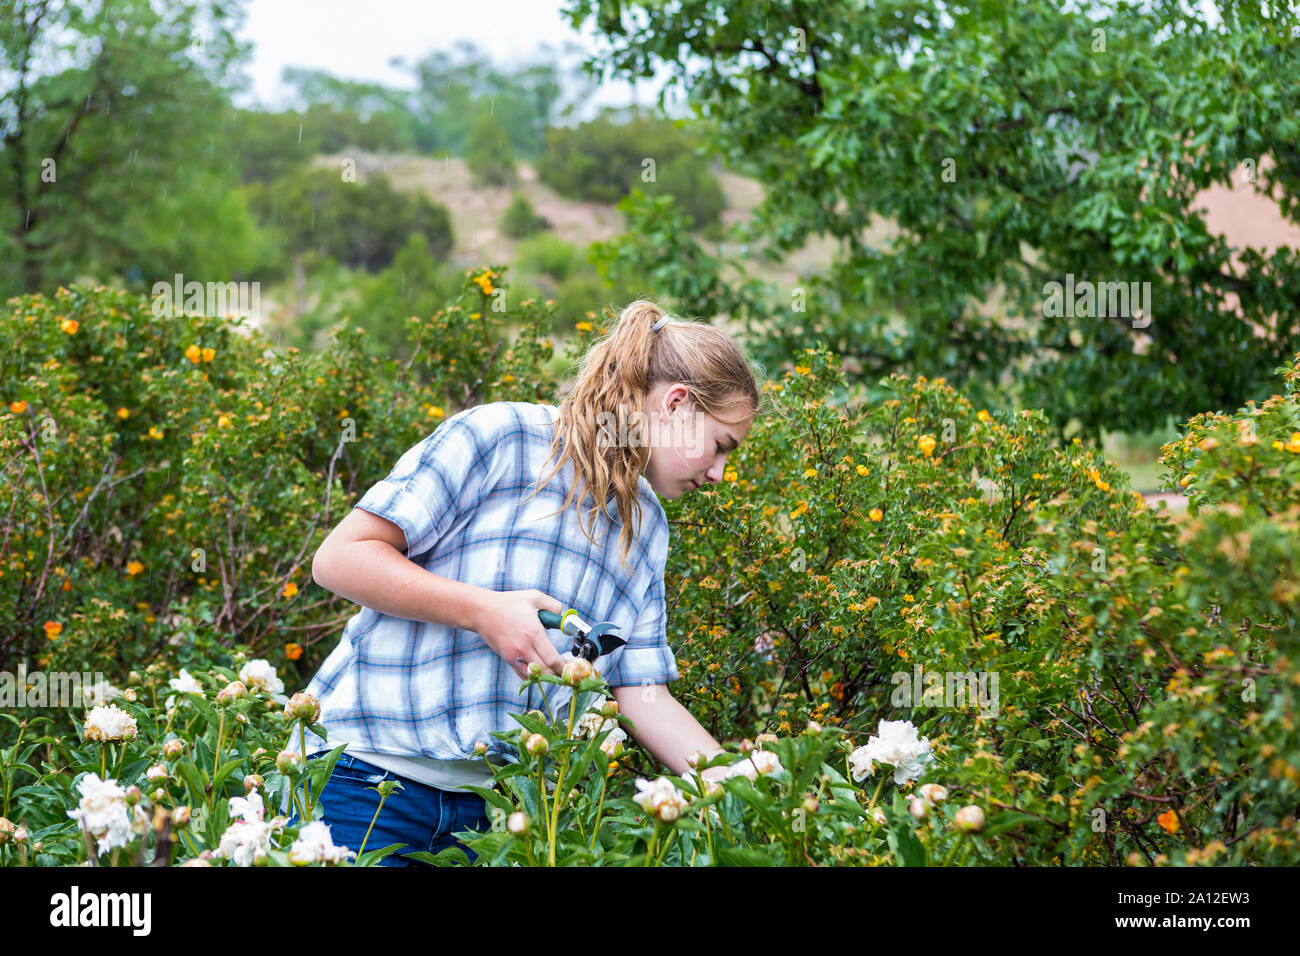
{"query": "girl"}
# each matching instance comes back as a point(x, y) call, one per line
point(454, 553)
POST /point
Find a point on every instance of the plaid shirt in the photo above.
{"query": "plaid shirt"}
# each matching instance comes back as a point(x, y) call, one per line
point(394, 686)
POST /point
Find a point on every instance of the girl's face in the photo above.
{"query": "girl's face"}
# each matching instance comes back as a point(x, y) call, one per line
point(688, 448)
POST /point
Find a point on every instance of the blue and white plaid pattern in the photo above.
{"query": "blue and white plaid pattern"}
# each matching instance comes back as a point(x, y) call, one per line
point(408, 687)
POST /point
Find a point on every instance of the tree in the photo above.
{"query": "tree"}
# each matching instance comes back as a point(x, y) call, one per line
point(490, 158)
point(1013, 147)
point(110, 119)
point(358, 223)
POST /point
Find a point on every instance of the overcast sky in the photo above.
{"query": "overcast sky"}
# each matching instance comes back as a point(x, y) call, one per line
point(356, 40)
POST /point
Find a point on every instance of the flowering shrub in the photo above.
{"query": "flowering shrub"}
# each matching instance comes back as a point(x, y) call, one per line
point(925, 632)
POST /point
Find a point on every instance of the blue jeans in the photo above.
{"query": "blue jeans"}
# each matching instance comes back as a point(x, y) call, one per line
point(418, 815)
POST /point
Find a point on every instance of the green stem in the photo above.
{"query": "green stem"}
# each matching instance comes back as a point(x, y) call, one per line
point(955, 843)
point(650, 848)
point(302, 746)
point(103, 767)
point(600, 804)
point(221, 730)
point(382, 798)
point(541, 793)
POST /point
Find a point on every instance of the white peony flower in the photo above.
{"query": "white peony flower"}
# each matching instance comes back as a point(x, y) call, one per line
point(244, 841)
point(315, 845)
point(895, 743)
point(250, 809)
point(104, 814)
point(260, 675)
point(107, 724)
point(661, 798)
point(755, 763)
point(99, 693)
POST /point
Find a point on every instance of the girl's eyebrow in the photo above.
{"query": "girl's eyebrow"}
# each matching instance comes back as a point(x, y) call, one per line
point(733, 443)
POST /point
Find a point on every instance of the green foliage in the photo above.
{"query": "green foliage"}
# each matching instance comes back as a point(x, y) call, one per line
point(360, 224)
point(603, 161)
point(490, 158)
point(520, 219)
point(113, 147)
point(1011, 146)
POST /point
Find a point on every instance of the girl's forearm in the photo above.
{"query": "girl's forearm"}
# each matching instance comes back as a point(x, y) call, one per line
point(376, 575)
point(667, 729)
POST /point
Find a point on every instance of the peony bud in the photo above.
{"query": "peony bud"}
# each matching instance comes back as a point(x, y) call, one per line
point(231, 693)
point(173, 748)
point(537, 744)
point(814, 727)
point(480, 749)
point(302, 706)
point(6, 830)
point(181, 817)
point(576, 671)
point(156, 773)
point(517, 822)
point(534, 669)
point(134, 677)
point(133, 795)
point(20, 835)
point(746, 745)
point(695, 759)
point(810, 804)
point(609, 708)
point(288, 762)
point(969, 819)
point(667, 811)
point(159, 794)
point(253, 781)
point(918, 808)
point(765, 738)
point(933, 793)
point(878, 816)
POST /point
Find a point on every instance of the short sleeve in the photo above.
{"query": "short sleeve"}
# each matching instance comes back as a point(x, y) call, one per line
point(646, 658)
point(441, 478)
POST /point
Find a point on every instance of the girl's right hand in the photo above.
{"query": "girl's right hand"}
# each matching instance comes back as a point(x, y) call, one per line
point(509, 625)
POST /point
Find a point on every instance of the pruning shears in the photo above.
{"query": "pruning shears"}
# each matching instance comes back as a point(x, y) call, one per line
point(589, 640)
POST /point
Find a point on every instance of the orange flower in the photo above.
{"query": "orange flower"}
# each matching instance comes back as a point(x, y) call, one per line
point(209, 354)
point(67, 585)
point(18, 407)
point(290, 590)
point(983, 415)
point(1168, 820)
point(53, 629)
point(123, 413)
point(134, 567)
point(926, 443)
point(293, 651)
point(69, 325)
point(875, 514)
point(194, 354)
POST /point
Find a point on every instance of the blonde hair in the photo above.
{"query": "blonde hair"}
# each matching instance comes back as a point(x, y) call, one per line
point(617, 373)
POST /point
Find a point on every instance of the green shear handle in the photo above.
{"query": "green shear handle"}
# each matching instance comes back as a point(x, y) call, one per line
point(589, 641)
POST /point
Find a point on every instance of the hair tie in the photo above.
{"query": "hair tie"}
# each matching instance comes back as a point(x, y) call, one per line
point(659, 325)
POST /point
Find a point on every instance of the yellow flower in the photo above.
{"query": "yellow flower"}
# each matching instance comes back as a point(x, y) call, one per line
point(290, 590)
point(1168, 821)
point(908, 598)
point(875, 514)
point(154, 432)
point(133, 568)
point(1293, 446)
point(926, 442)
point(52, 629)
point(223, 421)
point(293, 651)
point(476, 315)
point(18, 407)
point(69, 325)
point(507, 378)
point(983, 415)
point(434, 411)
point(209, 354)
point(728, 475)
point(802, 370)
point(123, 413)
point(810, 473)
point(863, 470)
point(194, 354)
point(583, 326)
